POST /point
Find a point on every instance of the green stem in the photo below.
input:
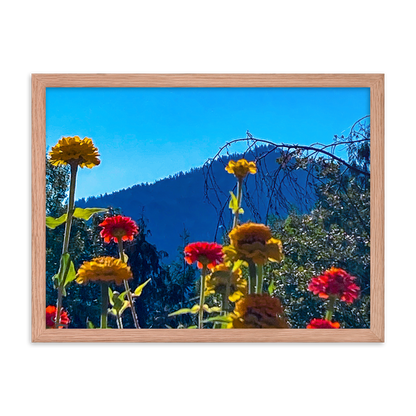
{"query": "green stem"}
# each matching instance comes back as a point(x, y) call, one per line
point(330, 309)
point(68, 224)
point(58, 308)
point(104, 304)
point(225, 299)
point(70, 211)
point(239, 194)
point(252, 277)
point(119, 321)
point(127, 287)
point(259, 285)
point(202, 297)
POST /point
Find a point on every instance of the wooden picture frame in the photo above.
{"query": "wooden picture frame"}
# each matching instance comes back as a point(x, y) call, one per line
point(42, 81)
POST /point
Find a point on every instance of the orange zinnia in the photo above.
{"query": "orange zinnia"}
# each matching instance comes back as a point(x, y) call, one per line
point(241, 168)
point(74, 150)
point(258, 311)
point(118, 227)
point(205, 254)
point(51, 316)
point(323, 324)
point(251, 241)
point(104, 269)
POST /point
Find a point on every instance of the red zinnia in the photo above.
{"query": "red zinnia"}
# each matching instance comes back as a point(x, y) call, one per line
point(118, 227)
point(322, 323)
point(205, 254)
point(335, 282)
point(51, 315)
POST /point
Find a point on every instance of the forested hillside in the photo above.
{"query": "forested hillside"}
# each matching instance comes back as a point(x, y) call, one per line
point(192, 201)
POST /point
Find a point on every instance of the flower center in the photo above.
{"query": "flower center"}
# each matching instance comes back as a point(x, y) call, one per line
point(203, 259)
point(119, 232)
point(253, 238)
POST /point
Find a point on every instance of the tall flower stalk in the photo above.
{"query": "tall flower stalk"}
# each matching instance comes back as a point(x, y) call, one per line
point(120, 228)
point(104, 270)
point(67, 233)
point(239, 196)
point(72, 151)
point(202, 297)
point(334, 284)
point(127, 287)
point(226, 280)
point(206, 256)
point(70, 209)
point(104, 304)
point(253, 244)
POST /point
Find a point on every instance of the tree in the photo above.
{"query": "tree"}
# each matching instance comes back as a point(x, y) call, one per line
point(174, 288)
point(335, 233)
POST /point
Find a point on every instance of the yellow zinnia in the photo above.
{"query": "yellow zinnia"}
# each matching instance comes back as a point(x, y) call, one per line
point(104, 269)
point(71, 150)
point(253, 242)
point(241, 168)
point(217, 281)
point(258, 311)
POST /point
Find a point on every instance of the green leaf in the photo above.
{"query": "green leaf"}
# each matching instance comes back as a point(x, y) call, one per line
point(192, 327)
point(110, 296)
point(90, 324)
point(139, 289)
point(66, 273)
point(116, 300)
point(52, 223)
point(271, 288)
point(181, 312)
point(211, 310)
point(87, 213)
point(237, 265)
point(124, 307)
point(71, 274)
point(83, 213)
point(118, 303)
point(193, 310)
point(234, 205)
point(219, 318)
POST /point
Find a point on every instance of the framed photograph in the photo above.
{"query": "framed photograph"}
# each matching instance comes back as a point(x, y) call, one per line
point(207, 208)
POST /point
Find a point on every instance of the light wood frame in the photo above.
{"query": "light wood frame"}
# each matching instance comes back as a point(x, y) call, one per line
point(42, 81)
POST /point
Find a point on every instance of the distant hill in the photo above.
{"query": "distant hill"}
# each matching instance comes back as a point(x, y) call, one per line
point(180, 201)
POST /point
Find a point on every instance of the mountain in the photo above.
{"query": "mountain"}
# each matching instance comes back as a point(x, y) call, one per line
point(198, 200)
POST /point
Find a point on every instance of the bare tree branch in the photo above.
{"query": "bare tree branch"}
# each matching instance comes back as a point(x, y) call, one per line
point(275, 190)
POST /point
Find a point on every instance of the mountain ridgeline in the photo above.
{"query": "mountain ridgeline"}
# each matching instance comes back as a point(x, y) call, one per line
point(197, 201)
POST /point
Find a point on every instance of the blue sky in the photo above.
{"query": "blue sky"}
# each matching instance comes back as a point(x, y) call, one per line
point(145, 134)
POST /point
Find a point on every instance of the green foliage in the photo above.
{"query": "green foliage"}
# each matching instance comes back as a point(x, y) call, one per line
point(57, 181)
point(52, 223)
point(66, 273)
point(173, 288)
point(335, 233)
point(83, 213)
point(195, 309)
point(118, 302)
point(140, 288)
point(234, 204)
